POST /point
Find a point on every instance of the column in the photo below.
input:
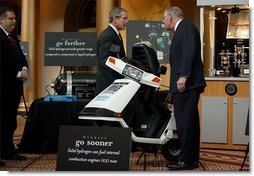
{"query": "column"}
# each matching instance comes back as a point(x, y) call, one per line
point(102, 10)
point(28, 34)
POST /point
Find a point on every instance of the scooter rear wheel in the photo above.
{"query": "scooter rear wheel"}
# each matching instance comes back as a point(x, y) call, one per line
point(170, 150)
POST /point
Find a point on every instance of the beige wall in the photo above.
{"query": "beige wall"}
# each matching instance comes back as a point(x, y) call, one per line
point(190, 10)
point(151, 10)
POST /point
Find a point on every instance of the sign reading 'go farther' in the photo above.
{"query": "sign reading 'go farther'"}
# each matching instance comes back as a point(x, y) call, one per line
point(70, 49)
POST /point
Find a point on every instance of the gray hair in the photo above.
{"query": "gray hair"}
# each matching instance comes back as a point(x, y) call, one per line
point(116, 12)
point(175, 11)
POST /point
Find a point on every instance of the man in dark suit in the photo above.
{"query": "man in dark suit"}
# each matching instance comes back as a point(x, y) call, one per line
point(110, 44)
point(13, 73)
point(186, 84)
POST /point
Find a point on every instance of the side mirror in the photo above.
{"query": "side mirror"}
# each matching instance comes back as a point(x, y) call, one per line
point(162, 70)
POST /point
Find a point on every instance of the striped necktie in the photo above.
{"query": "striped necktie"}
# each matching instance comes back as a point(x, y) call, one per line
point(11, 40)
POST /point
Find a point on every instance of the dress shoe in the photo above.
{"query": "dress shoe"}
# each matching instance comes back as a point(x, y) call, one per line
point(2, 163)
point(181, 165)
point(15, 157)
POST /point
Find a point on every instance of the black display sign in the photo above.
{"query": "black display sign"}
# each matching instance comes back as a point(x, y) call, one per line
point(151, 31)
point(82, 148)
point(70, 49)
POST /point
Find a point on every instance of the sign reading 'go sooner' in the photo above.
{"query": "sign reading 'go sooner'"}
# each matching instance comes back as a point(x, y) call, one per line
point(91, 148)
point(70, 49)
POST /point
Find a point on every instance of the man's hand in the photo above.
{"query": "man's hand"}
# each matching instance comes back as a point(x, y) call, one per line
point(181, 84)
point(169, 99)
point(24, 75)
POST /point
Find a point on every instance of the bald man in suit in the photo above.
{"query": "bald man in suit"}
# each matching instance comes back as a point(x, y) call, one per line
point(187, 82)
point(14, 71)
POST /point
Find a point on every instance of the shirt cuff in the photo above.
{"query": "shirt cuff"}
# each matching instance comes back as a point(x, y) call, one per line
point(19, 74)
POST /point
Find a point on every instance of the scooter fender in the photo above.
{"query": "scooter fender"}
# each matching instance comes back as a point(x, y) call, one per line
point(116, 96)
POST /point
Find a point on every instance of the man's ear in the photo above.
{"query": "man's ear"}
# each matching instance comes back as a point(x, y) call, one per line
point(1, 19)
point(115, 18)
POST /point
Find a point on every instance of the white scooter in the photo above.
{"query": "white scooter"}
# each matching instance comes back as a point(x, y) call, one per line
point(109, 104)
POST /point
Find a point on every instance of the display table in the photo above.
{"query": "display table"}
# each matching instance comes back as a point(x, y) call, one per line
point(42, 126)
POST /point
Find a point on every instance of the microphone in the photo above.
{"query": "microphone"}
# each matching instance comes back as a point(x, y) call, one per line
point(115, 49)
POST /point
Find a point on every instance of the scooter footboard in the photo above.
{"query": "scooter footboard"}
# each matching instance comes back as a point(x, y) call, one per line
point(161, 140)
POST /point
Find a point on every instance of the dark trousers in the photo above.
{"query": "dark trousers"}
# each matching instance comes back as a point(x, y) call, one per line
point(187, 124)
point(9, 105)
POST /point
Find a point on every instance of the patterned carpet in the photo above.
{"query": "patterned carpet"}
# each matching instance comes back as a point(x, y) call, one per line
point(210, 160)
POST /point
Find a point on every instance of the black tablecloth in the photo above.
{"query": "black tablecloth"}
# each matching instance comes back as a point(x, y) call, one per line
point(42, 126)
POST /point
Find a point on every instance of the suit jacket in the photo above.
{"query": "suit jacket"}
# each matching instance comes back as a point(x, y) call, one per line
point(185, 57)
point(12, 60)
point(105, 75)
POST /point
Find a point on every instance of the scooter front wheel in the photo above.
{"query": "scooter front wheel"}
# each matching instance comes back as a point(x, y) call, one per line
point(170, 150)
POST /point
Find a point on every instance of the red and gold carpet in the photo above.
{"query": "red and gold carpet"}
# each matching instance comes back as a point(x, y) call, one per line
point(210, 160)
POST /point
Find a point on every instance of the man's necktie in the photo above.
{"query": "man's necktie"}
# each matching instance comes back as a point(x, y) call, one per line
point(120, 37)
point(11, 40)
point(172, 35)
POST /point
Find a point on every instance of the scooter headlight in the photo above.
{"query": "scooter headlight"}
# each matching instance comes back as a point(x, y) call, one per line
point(133, 72)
